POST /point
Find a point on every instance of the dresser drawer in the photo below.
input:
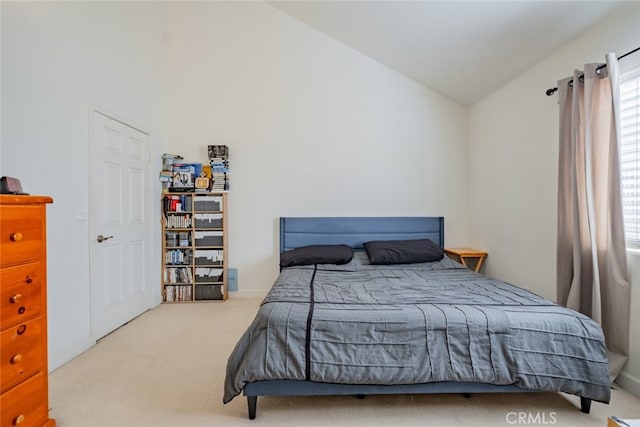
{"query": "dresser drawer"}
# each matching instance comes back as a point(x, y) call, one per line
point(25, 404)
point(21, 233)
point(21, 293)
point(21, 353)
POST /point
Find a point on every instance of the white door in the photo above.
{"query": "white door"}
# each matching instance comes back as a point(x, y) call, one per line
point(119, 223)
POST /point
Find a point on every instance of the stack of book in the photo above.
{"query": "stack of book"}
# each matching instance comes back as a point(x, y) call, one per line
point(166, 174)
point(179, 275)
point(184, 175)
point(178, 221)
point(219, 161)
point(178, 293)
point(166, 178)
point(178, 257)
point(177, 203)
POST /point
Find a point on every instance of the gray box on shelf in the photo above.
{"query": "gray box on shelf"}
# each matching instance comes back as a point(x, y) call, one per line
point(208, 292)
point(171, 238)
point(208, 220)
point(207, 203)
point(208, 238)
point(208, 275)
point(184, 238)
point(209, 257)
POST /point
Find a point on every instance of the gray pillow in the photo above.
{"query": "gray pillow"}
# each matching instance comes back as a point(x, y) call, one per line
point(316, 254)
point(403, 251)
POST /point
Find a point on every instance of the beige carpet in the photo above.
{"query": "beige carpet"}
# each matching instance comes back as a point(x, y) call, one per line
point(167, 367)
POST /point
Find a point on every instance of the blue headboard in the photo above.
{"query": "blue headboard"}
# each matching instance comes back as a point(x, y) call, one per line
point(354, 231)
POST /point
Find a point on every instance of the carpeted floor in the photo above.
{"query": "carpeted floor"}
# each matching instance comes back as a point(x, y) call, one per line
point(167, 367)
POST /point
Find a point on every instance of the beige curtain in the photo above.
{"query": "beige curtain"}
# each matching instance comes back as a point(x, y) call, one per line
point(591, 256)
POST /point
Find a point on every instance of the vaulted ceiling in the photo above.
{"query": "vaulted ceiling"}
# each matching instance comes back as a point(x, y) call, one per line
point(463, 49)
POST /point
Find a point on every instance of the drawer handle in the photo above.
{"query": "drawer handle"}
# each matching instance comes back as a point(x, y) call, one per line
point(28, 280)
point(22, 309)
point(16, 359)
point(15, 298)
point(15, 237)
point(19, 419)
point(22, 329)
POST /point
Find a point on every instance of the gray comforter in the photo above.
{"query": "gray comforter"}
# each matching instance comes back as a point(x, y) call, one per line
point(417, 323)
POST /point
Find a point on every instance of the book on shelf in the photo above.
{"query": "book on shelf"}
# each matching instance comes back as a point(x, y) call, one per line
point(178, 275)
point(166, 177)
point(184, 175)
point(220, 182)
point(178, 221)
point(178, 257)
point(177, 203)
point(218, 151)
point(169, 293)
point(219, 164)
point(178, 293)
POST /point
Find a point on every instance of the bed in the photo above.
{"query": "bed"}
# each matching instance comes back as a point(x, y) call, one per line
point(427, 327)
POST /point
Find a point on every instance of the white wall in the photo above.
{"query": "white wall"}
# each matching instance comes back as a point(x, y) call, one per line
point(314, 128)
point(513, 168)
point(57, 58)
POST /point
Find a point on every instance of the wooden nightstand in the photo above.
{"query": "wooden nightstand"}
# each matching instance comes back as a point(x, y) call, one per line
point(617, 422)
point(465, 254)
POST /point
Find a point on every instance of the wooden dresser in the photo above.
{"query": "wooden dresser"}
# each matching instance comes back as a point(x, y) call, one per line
point(24, 391)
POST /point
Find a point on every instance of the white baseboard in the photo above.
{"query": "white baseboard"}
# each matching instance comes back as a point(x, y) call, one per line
point(629, 383)
point(249, 293)
point(58, 359)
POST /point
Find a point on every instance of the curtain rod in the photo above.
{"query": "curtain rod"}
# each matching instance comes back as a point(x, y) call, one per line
point(554, 89)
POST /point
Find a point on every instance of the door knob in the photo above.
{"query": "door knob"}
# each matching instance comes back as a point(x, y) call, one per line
point(102, 238)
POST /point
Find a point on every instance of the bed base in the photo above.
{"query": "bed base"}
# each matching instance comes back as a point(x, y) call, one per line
point(310, 388)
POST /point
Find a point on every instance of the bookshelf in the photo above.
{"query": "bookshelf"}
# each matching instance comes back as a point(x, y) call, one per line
point(194, 246)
